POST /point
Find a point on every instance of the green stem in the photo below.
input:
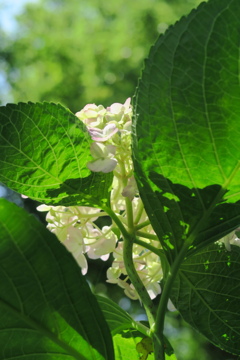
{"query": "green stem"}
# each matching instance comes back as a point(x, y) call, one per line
point(117, 221)
point(136, 281)
point(130, 268)
point(141, 328)
point(129, 264)
point(142, 225)
point(159, 346)
point(148, 246)
point(129, 211)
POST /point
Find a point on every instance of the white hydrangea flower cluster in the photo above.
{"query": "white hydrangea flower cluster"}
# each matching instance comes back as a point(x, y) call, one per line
point(75, 227)
point(110, 128)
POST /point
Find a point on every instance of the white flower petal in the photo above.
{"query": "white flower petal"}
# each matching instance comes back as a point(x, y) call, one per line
point(98, 150)
point(103, 165)
point(44, 207)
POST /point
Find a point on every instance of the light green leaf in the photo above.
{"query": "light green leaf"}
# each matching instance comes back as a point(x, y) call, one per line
point(207, 293)
point(44, 152)
point(186, 128)
point(125, 347)
point(47, 309)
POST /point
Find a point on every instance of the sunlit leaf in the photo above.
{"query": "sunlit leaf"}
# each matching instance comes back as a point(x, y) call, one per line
point(44, 152)
point(125, 347)
point(186, 128)
point(187, 159)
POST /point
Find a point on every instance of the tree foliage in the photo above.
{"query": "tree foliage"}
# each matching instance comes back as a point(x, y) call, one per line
point(78, 52)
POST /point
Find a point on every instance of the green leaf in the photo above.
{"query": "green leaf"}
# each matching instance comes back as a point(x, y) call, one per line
point(47, 309)
point(186, 128)
point(117, 318)
point(44, 152)
point(119, 321)
point(207, 293)
point(125, 347)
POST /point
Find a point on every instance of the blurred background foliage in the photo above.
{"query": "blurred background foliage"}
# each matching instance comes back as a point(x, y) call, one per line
point(77, 52)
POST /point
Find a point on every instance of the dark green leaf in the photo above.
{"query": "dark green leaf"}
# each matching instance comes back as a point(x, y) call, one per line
point(44, 152)
point(47, 309)
point(186, 140)
point(117, 318)
point(207, 293)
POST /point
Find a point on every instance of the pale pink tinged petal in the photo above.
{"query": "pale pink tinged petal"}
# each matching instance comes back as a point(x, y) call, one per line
point(90, 107)
point(103, 135)
point(92, 114)
point(96, 134)
point(105, 257)
point(91, 254)
point(110, 130)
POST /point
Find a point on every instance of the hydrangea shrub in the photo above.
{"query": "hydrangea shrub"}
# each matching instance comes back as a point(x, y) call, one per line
point(164, 168)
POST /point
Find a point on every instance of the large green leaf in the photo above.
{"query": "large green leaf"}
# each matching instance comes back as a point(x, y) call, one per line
point(207, 293)
point(47, 309)
point(44, 151)
point(186, 128)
